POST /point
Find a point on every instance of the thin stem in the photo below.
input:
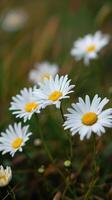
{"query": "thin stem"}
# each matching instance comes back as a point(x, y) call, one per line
point(68, 188)
point(11, 192)
point(94, 179)
point(49, 153)
point(90, 189)
point(94, 156)
point(62, 114)
point(71, 149)
point(68, 135)
point(65, 190)
point(47, 150)
point(6, 196)
point(44, 143)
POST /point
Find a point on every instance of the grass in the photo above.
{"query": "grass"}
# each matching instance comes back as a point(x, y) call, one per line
point(49, 33)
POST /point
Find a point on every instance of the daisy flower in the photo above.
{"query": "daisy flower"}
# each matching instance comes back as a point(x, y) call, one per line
point(24, 104)
point(5, 176)
point(86, 117)
point(14, 138)
point(87, 48)
point(14, 20)
point(42, 71)
point(53, 90)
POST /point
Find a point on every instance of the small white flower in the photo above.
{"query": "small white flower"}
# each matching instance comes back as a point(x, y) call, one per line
point(53, 90)
point(87, 48)
point(14, 138)
point(5, 176)
point(42, 71)
point(87, 117)
point(24, 104)
point(14, 20)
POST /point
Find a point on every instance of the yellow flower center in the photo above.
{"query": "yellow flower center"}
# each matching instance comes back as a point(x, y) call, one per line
point(17, 143)
point(91, 48)
point(3, 178)
point(30, 106)
point(89, 118)
point(45, 76)
point(54, 96)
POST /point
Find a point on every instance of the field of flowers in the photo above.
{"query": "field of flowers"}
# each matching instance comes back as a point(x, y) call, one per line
point(56, 100)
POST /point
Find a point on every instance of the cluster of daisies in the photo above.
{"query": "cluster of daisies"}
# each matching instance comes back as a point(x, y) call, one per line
point(84, 117)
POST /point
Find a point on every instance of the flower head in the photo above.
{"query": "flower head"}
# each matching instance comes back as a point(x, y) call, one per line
point(53, 90)
point(41, 169)
point(67, 163)
point(42, 71)
point(5, 176)
point(87, 117)
point(14, 20)
point(14, 138)
point(24, 104)
point(87, 48)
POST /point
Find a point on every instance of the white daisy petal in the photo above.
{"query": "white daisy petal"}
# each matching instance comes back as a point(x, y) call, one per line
point(87, 48)
point(53, 90)
point(42, 71)
point(87, 117)
point(11, 143)
point(25, 105)
point(5, 176)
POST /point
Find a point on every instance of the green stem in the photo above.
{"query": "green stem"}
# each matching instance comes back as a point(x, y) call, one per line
point(68, 135)
point(67, 186)
point(94, 179)
point(62, 114)
point(90, 189)
point(47, 150)
point(65, 190)
point(11, 192)
point(71, 148)
point(94, 156)
point(44, 143)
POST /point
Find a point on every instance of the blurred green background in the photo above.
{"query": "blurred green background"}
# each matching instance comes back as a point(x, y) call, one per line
point(48, 35)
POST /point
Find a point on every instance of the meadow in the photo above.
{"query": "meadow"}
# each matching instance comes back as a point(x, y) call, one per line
point(55, 165)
